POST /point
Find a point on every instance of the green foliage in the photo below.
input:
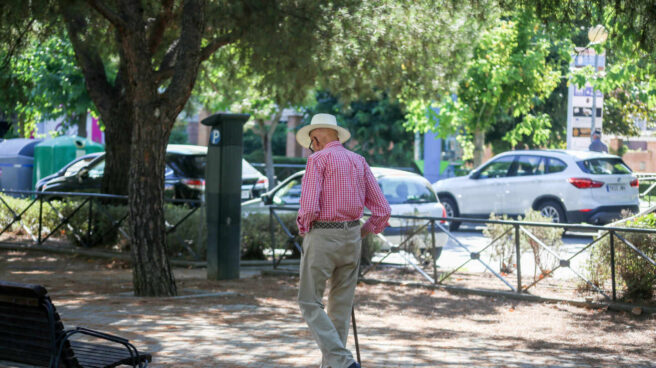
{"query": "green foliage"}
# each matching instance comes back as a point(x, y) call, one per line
point(30, 218)
point(504, 248)
point(636, 277)
point(628, 81)
point(256, 236)
point(189, 240)
point(623, 148)
point(511, 71)
point(179, 133)
point(44, 83)
point(407, 49)
point(377, 127)
point(630, 21)
point(253, 142)
point(536, 127)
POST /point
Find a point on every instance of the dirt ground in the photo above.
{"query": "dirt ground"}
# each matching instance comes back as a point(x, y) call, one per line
point(255, 322)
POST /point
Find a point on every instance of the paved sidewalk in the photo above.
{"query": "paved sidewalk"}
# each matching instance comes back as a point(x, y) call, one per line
point(254, 322)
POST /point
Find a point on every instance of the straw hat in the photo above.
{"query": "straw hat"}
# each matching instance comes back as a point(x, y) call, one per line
point(321, 121)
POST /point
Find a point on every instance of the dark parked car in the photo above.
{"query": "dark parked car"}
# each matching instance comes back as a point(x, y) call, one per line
point(184, 175)
point(69, 170)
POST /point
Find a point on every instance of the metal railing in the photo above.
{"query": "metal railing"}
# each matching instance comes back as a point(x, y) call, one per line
point(516, 228)
point(95, 204)
point(651, 189)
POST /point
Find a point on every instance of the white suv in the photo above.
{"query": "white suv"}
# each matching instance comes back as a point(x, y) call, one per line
point(568, 186)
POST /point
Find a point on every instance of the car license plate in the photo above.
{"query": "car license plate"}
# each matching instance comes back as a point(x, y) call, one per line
point(615, 187)
point(245, 194)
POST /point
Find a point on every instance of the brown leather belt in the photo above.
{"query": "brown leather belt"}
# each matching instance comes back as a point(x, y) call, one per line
point(335, 225)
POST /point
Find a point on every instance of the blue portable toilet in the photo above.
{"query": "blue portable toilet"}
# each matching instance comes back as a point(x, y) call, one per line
point(17, 163)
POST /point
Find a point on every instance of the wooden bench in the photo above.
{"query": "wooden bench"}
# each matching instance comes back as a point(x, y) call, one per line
point(32, 332)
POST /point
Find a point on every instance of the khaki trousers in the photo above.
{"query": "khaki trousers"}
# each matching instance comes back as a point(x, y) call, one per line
point(330, 255)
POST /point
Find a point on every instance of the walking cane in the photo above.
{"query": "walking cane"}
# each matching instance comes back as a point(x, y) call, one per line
point(355, 334)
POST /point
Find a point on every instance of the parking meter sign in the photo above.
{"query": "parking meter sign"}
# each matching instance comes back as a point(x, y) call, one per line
point(215, 137)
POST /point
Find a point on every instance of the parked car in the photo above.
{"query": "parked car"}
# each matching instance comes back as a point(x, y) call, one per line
point(568, 186)
point(184, 175)
point(69, 170)
point(406, 192)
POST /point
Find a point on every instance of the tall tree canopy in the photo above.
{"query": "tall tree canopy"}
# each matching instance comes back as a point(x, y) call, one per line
point(140, 60)
point(508, 75)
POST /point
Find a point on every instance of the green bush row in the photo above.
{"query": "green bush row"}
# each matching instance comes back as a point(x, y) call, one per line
point(188, 240)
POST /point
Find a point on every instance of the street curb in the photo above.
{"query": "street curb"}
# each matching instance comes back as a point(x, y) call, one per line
point(623, 307)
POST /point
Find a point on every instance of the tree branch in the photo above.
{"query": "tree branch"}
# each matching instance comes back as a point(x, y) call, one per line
point(187, 59)
point(108, 14)
point(91, 64)
point(159, 26)
point(216, 44)
point(167, 65)
point(275, 121)
point(16, 44)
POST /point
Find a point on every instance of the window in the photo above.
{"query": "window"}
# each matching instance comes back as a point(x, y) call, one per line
point(190, 166)
point(97, 170)
point(496, 169)
point(556, 165)
point(406, 189)
point(529, 165)
point(73, 169)
point(290, 193)
point(604, 166)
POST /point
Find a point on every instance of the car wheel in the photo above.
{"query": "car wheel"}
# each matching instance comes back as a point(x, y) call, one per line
point(451, 209)
point(553, 210)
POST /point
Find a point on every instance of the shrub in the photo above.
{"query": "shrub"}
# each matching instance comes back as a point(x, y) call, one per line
point(256, 236)
point(188, 240)
point(29, 221)
point(504, 248)
point(636, 277)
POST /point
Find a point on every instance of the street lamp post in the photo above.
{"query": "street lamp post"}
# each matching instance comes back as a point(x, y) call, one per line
point(596, 34)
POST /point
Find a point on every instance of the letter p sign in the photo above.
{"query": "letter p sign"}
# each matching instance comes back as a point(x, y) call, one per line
point(215, 137)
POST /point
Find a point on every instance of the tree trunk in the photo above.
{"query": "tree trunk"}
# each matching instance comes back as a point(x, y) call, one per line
point(118, 135)
point(267, 140)
point(81, 121)
point(267, 145)
point(479, 147)
point(139, 113)
point(152, 275)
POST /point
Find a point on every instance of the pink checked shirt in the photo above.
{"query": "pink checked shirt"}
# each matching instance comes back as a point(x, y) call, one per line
point(336, 187)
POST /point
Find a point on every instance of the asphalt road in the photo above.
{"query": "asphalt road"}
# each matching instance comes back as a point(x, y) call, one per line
point(471, 239)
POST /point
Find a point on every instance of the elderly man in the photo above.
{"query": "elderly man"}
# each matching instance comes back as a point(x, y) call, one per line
point(336, 187)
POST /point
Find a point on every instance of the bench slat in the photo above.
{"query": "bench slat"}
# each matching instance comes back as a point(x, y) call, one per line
point(106, 356)
point(34, 330)
point(24, 356)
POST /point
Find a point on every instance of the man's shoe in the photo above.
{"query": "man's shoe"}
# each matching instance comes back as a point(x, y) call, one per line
point(354, 365)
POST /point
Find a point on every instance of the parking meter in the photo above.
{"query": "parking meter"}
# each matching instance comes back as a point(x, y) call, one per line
point(223, 194)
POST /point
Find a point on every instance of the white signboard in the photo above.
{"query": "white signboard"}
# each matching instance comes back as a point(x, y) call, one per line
point(583, 103)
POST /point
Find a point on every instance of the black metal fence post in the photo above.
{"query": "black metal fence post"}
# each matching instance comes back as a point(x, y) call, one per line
point(273, 237)
point(40, 216)
point(518, 256)
point(612, 264)
point(434, 255)
point(90, 222)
